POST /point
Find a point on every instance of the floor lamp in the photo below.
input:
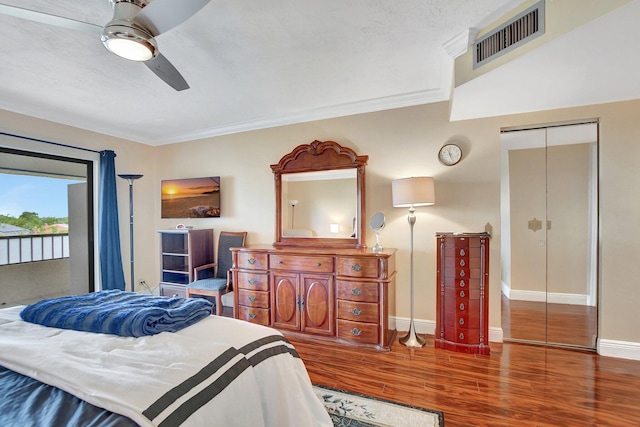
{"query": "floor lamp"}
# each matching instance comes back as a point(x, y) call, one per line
point(412, 192)
point(130, 178)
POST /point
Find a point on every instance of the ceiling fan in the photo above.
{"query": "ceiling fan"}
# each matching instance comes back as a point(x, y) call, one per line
point(132, 31)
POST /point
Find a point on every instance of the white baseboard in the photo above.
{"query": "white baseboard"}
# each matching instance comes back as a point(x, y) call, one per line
point(428, 327)
point(620, 349)
point(551, 297)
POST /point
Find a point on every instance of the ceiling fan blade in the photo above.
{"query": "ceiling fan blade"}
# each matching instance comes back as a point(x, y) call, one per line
point(161, 66)
point(45, 18)
point(160, 16)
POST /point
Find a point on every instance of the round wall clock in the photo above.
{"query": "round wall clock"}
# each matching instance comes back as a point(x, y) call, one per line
point(450, 154)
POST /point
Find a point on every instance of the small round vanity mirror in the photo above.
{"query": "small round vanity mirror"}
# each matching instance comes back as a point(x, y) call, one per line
point(377, 224)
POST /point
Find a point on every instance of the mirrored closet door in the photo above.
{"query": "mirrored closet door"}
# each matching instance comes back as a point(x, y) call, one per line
point(549, 234)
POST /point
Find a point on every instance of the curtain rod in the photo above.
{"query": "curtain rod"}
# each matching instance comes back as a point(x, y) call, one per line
point(50, 142)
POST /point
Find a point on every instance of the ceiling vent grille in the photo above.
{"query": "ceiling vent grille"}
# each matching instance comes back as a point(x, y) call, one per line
point(519, 30)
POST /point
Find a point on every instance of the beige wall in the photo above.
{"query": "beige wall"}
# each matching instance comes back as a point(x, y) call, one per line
point(400, 143)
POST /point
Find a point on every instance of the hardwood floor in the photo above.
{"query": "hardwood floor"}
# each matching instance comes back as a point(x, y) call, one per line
point(517, 385)
point(567, 324)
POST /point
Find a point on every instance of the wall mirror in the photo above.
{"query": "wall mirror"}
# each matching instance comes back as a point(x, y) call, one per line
point(320, 196)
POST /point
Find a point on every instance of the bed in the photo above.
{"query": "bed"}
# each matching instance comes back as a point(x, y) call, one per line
point(217, 371)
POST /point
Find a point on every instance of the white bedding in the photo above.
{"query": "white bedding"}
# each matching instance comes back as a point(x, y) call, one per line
point(267, 385)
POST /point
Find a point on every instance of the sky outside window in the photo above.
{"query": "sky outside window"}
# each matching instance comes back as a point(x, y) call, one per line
point(26, 193)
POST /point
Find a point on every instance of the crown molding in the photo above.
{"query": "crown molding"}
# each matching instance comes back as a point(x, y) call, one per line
point(459, 45)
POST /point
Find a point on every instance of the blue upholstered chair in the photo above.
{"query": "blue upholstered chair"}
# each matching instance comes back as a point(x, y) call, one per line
point(215, 279)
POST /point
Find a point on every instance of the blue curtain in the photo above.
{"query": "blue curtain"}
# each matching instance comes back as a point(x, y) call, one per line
point(111, 273)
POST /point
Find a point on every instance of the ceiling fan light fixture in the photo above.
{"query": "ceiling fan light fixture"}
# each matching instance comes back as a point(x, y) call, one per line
point(129, 42)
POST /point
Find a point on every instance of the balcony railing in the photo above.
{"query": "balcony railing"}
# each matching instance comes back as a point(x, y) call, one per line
point(33, 248)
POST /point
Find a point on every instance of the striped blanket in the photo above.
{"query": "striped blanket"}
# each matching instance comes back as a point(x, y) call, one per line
point(219, 371)
point(116, 312)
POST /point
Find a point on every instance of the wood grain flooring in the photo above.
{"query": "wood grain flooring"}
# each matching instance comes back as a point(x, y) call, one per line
point(516, 385)
point(562, 324)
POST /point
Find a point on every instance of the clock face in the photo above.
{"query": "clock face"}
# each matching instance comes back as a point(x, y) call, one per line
point(449, 154)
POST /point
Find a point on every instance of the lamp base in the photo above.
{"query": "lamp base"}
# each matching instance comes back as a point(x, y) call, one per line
point(412, 339)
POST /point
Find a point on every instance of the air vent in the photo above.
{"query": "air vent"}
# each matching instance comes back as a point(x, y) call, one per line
point(519, 30)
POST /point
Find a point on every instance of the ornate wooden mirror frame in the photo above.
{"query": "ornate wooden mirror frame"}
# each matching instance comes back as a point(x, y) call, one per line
point(321, 156)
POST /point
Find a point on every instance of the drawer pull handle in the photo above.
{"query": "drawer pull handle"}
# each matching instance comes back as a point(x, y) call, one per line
point(462, 294)
point(356, 311)
point(252, 261)
point(356, 291)
point(318, 264)
point(280, 261)
point(461, 336)
point(252, 281)
point(462, 263)
point(462, 273)
point(461, 306)
point(462, 252)
point(462, 283)
point(461, 321)
point(356, 267)
point(357, 332)
point(252, 298)
point(252, 315)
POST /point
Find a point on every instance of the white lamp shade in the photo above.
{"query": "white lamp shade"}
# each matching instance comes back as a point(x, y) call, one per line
point(414, 191)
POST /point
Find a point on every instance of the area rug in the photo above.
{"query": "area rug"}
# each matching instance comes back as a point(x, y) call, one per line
point(357, 410)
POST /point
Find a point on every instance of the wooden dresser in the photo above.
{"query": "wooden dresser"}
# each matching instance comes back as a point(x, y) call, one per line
point(462, 309)
point(338, 294)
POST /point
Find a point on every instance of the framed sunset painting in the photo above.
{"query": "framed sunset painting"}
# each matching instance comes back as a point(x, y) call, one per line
point(191, 197)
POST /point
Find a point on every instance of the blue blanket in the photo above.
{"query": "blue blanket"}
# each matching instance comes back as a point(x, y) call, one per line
point(127, 314)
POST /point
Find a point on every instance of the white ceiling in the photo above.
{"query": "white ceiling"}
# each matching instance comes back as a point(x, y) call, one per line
point(253, 65)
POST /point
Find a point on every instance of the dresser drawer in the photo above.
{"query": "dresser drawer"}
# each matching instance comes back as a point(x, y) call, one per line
point(357, 267)
point(357, 291)
point(253, 298)
point(462, 335)
point(252, 261)
point(464, 252)
point(253, 281)
point(254, 315)
point(357, 331)
point(462, 273)
point(358, 311)
point(314, 264)
point(462, 262)
point(461, 294)
point(461, 284)
point(469, 307)
point(462, 242)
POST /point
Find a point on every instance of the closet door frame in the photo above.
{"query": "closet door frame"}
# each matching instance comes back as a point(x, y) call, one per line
point(544, 136)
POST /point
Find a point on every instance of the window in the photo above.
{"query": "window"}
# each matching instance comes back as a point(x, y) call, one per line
point(46, 226)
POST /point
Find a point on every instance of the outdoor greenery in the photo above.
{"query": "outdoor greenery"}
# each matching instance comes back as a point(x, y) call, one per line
point(32, 221)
